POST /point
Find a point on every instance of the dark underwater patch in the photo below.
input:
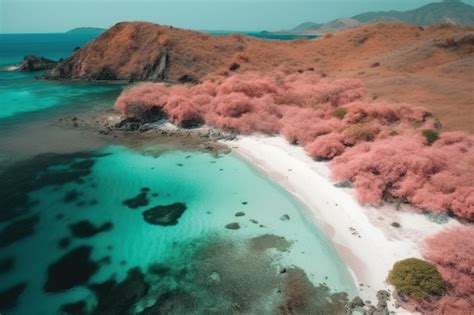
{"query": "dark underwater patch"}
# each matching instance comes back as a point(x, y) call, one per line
point(120, 297)
point(267, 241)
point(73, 269)
point(64, 242)
point(233, 226)
point(71, 196)
point(139, 200)
point(300, 296)
point(6, 265)
point(164, 215)
point(23, 177)
point(18, 230)
point(83, 165)
point(213, 276)
point(175, 301)
point(158, 269)
point(86, 229)
point(75, 308)
point(9, 297)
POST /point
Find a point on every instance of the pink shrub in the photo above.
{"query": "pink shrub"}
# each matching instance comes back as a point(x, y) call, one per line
point(182, 112)
point(375, 145)
point(304, 125)
point(326, 147)
point(436, 178)
point(452, 251)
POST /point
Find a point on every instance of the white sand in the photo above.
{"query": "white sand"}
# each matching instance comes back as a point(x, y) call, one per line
point(368, 257)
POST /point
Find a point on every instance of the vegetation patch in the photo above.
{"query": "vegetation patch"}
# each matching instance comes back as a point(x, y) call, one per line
point(416, 278)
point(339, 112)
point(430, 135)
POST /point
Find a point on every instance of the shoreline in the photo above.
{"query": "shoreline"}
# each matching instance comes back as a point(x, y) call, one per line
point(362, 235)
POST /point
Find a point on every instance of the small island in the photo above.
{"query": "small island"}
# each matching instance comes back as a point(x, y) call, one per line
point(86, 30)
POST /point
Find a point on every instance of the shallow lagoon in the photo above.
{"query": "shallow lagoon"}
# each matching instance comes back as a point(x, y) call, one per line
point(213, 189)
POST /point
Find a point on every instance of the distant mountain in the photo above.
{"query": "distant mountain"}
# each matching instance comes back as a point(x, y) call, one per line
point(339, 24)
point(333, 26)
point(307, 26)
point(447, 11)
point(87, 30)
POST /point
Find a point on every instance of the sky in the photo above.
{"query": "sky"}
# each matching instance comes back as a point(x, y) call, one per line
point(42, 16)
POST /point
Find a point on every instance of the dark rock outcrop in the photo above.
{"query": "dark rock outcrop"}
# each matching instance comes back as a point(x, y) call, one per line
point(35, 63)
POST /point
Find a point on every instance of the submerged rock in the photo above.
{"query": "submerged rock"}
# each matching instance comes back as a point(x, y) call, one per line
point(233, 226)
point(85, 229)
point(73, 269)
point(35, 63)
point(9, 297)
point(139, 200)
point(164, 215)
point(18, 230)
point(239, 214)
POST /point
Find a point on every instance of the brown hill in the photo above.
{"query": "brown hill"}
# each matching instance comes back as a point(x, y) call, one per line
point(429, 66)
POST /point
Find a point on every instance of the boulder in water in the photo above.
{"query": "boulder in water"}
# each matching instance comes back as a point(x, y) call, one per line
point(35, 63)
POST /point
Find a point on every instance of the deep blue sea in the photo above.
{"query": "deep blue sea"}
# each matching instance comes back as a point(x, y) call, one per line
point(266, 35)
point(94, 225)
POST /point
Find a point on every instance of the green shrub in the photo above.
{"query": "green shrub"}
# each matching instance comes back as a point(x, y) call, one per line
point(339, 112)
point(416, 278)
point(430, 135)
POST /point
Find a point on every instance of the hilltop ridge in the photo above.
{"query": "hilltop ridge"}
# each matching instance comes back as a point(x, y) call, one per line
point(448, 11)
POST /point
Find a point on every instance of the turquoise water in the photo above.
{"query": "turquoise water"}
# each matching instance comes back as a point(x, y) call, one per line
point(213, 189)
point(21, 93)
point(91, 225)
point(13, 47)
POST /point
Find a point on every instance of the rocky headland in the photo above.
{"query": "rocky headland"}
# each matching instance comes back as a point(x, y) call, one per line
point(35, 63)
